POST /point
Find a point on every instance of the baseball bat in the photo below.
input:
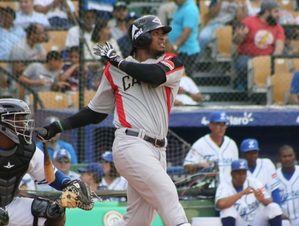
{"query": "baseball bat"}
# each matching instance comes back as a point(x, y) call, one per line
point(48, 166)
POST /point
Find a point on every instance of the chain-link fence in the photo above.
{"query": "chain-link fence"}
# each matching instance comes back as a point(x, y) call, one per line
point(46, 56)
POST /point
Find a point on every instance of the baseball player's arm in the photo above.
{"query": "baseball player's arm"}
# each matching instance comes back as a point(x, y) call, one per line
point(36, 170)
point(84, 117)
point(227, 202)
point(149, 73)
point(194, 167)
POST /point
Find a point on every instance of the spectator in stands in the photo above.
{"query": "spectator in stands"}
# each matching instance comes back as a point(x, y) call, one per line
point(87, 26)
point(60, 13)
point(257, 35)
point(111, 180)
point(62, 161)
point(213, 148)
point(102, 34)
point(9, 33)
point(30, 48)
point(70, 71)
point(44, 77)
point(183, 37)
point(118, 25)
point(26, 15)
point(124, 42)
point(56, 144)
point(166, 11)
point(188, 93)
point(92, 175)
point(103, 8)
point(294, 90)
point(220, 13)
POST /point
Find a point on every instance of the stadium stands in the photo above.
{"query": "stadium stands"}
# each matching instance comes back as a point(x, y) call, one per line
point(224, 45)
point(259, 71)
point(280, 85)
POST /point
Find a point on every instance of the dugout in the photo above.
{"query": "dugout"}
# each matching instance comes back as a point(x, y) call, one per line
point(273, 126)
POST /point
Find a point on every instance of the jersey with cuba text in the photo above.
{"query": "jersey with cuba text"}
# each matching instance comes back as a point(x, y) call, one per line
point(137, 104)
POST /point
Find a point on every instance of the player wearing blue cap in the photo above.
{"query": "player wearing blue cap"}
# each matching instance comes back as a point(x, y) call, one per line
point(92, 174)
point(213, 147)
point(111, 180)
point(244, 200)
point(261, 168)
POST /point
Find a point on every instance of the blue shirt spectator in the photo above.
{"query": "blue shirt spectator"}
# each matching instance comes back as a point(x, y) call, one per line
point(60, 144)
point(186, 16)
point(183, 36)
point(294, 90)
point(9, 34)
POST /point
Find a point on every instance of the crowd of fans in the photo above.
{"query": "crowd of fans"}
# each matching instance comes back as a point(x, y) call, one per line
point(260, 27)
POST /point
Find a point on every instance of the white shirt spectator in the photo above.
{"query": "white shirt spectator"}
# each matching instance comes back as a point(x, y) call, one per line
point(72, 39)
point(24, 20)
point(188, 85)
point(57, 12)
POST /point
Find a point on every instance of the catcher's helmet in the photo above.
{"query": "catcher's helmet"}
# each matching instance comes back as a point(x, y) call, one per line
point(15, 120)
point(140, 30)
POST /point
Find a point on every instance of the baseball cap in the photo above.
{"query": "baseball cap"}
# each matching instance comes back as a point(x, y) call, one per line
point(62, 155)
point(93, 167)
point(107, 156)
point(120, 5)
point(218, 116)
point(240, 164)
point(249, 145)
point(268, 5)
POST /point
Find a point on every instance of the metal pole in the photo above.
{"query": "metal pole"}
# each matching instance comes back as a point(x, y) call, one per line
point(81, 131)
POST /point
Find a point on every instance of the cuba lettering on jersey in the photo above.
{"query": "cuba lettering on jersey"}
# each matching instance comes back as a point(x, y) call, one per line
point(290, 194)
point(247, 205)
point(137, 104)
point(205, 150)
point(265, 172)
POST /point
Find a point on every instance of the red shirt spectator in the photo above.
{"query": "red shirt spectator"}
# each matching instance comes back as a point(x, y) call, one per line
point(261, 37)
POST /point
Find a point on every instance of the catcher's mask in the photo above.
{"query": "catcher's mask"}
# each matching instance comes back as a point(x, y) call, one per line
point(140, 29)
point(15, 120)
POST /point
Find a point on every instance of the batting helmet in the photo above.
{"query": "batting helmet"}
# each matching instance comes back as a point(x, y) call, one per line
point(140, 30)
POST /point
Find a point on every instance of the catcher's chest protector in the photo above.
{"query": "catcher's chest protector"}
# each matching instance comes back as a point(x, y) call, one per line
point(13, 168)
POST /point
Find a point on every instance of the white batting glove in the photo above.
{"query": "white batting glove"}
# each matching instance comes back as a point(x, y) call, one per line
point(107, 51)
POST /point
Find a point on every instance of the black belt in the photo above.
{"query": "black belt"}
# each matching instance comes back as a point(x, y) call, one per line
point(156, 142)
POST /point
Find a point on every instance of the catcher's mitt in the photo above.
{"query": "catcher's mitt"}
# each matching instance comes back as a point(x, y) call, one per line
point(76, 194)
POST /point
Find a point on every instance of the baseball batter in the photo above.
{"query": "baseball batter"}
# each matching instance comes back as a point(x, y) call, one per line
point(288, 175)
point(213, 147)
point(139, 91)
point(261, 168)
point(245, 201)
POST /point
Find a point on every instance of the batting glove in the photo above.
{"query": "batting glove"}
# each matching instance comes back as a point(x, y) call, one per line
point(107, 51)
point(49, 131)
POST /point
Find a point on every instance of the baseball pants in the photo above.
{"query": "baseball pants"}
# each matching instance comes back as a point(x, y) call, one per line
point(19, 211)
point(260, 218)
point(150, 188)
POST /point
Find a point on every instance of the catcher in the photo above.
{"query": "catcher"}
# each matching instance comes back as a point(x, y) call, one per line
point(18, 155)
